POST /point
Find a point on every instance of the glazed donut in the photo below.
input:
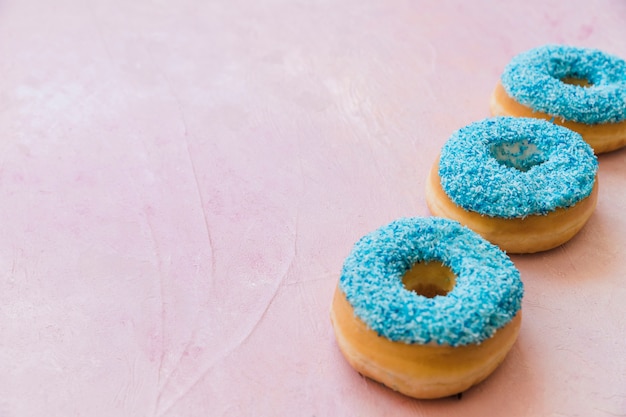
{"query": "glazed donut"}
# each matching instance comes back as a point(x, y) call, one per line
point(524, 184)
point(580, 88)
point(426, 307)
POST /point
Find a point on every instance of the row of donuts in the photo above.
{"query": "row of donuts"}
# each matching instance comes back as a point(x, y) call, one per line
point(431, 306)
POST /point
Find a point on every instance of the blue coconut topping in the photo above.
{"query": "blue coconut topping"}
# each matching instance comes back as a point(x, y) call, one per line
point(515, 167)
point(486, 296)
point(534, 79)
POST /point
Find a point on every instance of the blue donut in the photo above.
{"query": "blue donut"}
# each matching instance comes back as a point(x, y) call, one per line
point(534, 79)
point(512, 167)
point(486, 296)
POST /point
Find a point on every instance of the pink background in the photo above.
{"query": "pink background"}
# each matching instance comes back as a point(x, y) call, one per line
point(180, 182)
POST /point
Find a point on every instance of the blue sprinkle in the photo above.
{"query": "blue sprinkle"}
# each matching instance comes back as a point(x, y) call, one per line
point(487, 294)
point(515, 167)
point(533, 79)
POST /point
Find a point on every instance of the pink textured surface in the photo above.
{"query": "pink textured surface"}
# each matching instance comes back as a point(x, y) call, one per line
point(181, 180)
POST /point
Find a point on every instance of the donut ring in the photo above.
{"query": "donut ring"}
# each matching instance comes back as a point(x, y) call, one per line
point(426, 347)
point(524, 184)
point(580, 88)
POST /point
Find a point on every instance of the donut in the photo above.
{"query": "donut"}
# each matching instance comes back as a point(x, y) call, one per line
point(426, 307)
point(582, 89)
point(524, 184)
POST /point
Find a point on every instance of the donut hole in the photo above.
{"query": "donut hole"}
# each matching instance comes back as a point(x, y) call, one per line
point(521, 155)
point(581, 82)
point(429, 279)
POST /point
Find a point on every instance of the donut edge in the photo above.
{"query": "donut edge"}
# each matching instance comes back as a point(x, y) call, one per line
point(604, 137)
point(419, 371)
point(535, 233)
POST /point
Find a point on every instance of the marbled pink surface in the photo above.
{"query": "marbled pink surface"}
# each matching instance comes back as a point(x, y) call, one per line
point(181, 180)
